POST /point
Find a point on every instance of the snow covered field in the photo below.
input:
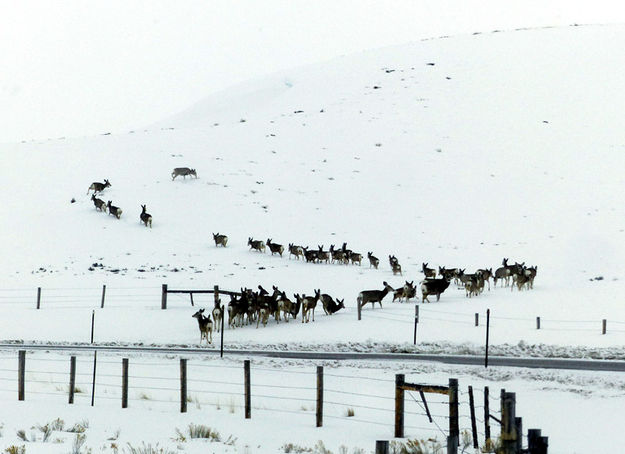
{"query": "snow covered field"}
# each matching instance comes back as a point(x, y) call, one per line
point(455, 151)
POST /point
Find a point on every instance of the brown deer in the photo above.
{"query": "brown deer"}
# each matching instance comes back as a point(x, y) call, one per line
point(275, 248)
point(257, 245)
point(433, 287)
point(115, 211)
point(373, 260)
point(99, 203)
point(146, 218)
point(373, 296)
point(309, 303)
point(184, 171)
point(297, 251)
point(98, 187)
point(206, 326)
point(220, 240)
point(429, 272)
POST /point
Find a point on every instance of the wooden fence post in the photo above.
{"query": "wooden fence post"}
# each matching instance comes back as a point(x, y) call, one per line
point(477, 319)
point(454, 430)
point(103, 295)
point(319, 396)
point(487, 333)
point(248, 389)
point(605, 326)
point(537, 322)
point(518, 425)
point(72, 378)
point(486, 417)
point(38, 297)
point(399, 405)
point(164, 297)
point(359, 310)
point(183, 385)
point(536, 444)
point(381, 447)
point(124, 382)
point(508, 427)
point(21, 374)
point(473, 422)
point(92, 324)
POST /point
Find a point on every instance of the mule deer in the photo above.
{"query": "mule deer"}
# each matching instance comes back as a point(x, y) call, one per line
point(257, 245)
point(373, 296)
point(309, 303)
point(99, 203)
point(503, 272)
point(206, 326)
point(486, 274)
point(429, 272)
point(407, 291)
point(395, 266)
point(115, 211)
point(184, 171)
point(373, 260)
point(297, 251)
point(337, 255)
point(329, 305)
point(146, 218)
point(355, 257)
point(433, 287)
point(275, 248)
point(220, 240)
point(310, 255)
point(98, 187)
point(334, 307)
point(322, 256)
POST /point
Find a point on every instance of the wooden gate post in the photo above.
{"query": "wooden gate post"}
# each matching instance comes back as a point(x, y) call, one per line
point(248, 389)
point(454, 429)
point(399, 405)
point(72, 378)
point(508, 427)
point(164, 297)
point(183, 385)
point(21, 374)
point(124, 382)
point(319, 396)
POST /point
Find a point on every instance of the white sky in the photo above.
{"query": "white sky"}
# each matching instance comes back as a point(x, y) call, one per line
point(74, 67)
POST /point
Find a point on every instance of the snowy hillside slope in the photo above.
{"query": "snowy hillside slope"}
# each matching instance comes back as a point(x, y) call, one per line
point(454, 151)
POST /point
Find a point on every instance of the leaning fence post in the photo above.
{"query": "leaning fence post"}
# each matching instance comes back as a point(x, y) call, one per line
point(454, 429)
point(183, 385)
point(72, 378)
point(248, 389)
point(124, 382)
point(164, 297)
point(38, 297)
point(95, 363)
point(473, 422)
point(319, 396)
point(399, 405)
point(103, 295)
point(21, 374)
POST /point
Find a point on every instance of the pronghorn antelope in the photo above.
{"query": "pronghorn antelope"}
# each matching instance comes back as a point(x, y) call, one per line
point(99, 203)
point(184, 171)
point(373, 260)
point(275, 248)
point(433, 287)
point(220, 240)
point(146, 218)
point(115, 211)
point(206, 326)
point(373, 296)
point(257, 245)
point(98, 187)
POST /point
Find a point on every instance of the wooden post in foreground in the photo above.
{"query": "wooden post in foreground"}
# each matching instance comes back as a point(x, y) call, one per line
point(124, 382)
point(473, 422)
point(399, 405)
point(72, 378)
point(381, 447)
point(38, 297)
point(183, 385)
point(21, 374)
point(453, 440)
point(164, 297)
point(248, 389)
point(319, 396)
point(103, 295)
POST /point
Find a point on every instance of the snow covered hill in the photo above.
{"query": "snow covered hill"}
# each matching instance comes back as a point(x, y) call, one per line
point(455, 151)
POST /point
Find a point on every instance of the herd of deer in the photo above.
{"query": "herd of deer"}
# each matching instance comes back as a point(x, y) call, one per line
point(144, 216)
point(249, 307)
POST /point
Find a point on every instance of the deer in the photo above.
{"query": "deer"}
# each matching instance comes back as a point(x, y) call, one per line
point(407, 291)
point(355, 257)
point(503, 272)
point(433, 287)
point(395, 266)
point(115, 211)
point(328, 304)
point(99, 203)
point(275, 248)
point(322, 256)
point(310, 255)
point(184, 171)
point(220, 240)
point(218, 312)
point(428, 272)
point(337, 255)
point(486, 274)
point(373, 260)
point(206, 326)
point(448, 273)
point(98, 187)
point(257, 245)
point(373, 296)
point(297, 251)
point(309, 303)
point(334, 307)
point(146, 218)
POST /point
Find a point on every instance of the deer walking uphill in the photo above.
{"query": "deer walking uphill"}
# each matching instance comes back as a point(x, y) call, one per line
point(373, 296)
point(115, 211)
point(145, 217)
point(100, 205)
point(206, 326)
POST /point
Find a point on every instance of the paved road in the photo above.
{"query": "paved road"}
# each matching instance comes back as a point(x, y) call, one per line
point(539, 363)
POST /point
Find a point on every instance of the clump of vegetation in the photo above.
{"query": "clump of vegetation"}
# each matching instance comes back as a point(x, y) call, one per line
point(147, 449)
point(79, 427)
point(21, 434)
point(15, 449)
point(350, 412)
point(198, 431)
point(77, 445)
point(290, 447)
point(430, 446)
